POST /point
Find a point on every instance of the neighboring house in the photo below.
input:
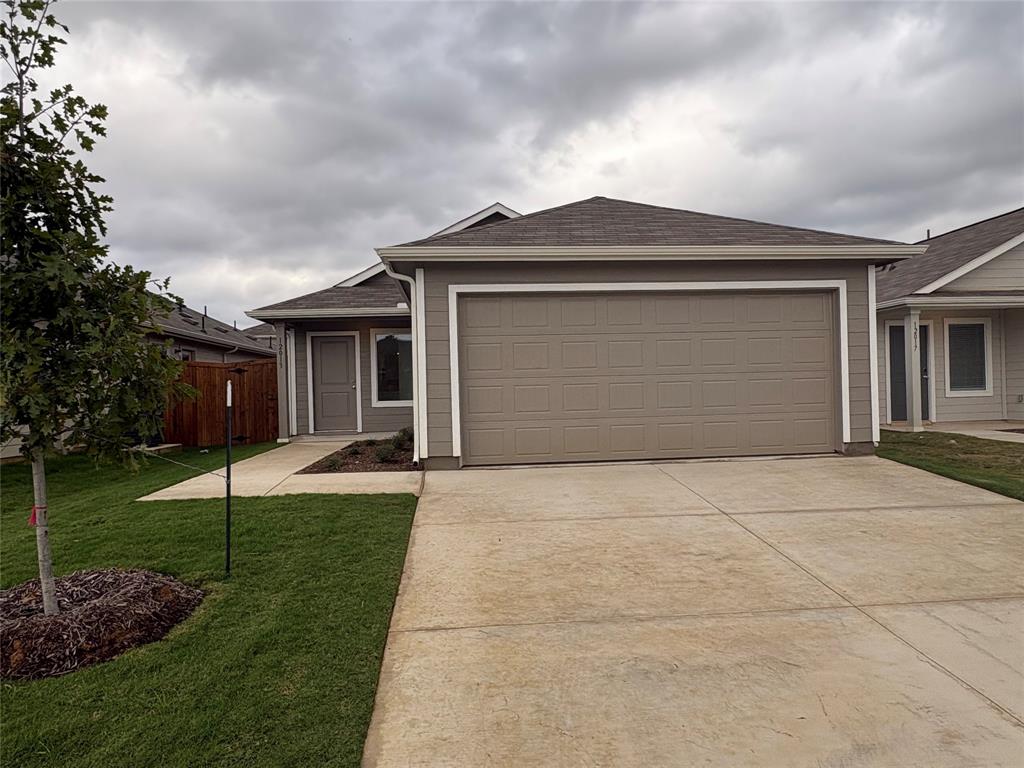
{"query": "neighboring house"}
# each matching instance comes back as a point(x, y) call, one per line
point(964, 302)
point(197, 336)
point(263, 333)
point(194, 336)
point(598, 330)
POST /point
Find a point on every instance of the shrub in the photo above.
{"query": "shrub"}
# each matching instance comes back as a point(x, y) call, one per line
point(370, 443)
point(385, 452)
point(406, 434)
point(353, 450)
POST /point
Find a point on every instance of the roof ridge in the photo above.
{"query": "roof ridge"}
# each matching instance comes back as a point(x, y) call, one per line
point(436, 238)
point(711, 216)
point(968, 226)
point(745, 221)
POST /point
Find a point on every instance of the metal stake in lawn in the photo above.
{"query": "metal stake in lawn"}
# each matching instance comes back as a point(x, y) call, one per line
point(227, 496)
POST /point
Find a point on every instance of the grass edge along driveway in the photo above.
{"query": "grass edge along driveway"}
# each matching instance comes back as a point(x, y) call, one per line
point(991, 464)
point(277, 667)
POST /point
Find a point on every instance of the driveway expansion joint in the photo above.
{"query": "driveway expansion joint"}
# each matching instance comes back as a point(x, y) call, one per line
point(853, 605)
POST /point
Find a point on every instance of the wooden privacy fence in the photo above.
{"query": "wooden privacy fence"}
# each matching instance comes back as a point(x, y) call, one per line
point(201, 421)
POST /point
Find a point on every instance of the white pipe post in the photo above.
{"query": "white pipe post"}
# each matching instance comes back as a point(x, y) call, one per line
point(227, 489)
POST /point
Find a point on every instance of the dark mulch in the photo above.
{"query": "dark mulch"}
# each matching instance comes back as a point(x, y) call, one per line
point(392, 455)
point(103, 614)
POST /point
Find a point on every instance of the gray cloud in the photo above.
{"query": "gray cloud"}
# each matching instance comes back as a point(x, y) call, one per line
point(261, 150)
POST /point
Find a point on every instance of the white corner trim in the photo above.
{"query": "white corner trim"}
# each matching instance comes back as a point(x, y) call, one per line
point(418, 365)
point(293, 408)
point(985, 321)
point(420, 337)
point(309, 375)
point(876, 427)
point(930, 352)
point(972, 265)
point(374, 402)
point(361, 277)
point(472, 219)
point(735, 285)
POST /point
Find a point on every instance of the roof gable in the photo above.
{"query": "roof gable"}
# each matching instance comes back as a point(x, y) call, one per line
point(492, 214)
point(602, 221)
point(952, 255)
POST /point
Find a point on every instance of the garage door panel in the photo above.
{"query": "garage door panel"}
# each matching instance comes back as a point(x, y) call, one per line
point(571, 356)
point(649, 395)
point(570, 378)
point(557, 314)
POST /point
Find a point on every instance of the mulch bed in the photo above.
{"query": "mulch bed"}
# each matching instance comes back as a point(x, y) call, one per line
point(102, 615)
point(365, 456)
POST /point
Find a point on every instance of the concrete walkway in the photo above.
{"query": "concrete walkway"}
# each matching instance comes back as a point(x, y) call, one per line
point(273, 473)
point(989, 430)
point(812, 612)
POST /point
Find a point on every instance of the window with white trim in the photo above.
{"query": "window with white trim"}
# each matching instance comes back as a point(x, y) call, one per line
point(968, 357)
point(392, 367)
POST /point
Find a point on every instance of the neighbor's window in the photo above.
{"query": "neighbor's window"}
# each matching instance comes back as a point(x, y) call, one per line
point(968, 367)
point(392, 357)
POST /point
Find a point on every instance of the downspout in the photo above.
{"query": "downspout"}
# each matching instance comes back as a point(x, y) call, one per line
point(416, 436)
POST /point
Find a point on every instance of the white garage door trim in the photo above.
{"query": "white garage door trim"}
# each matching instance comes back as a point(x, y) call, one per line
point(734, 285)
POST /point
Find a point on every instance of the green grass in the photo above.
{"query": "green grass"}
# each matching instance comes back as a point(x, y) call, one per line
point(992, 464)
point(278, 666)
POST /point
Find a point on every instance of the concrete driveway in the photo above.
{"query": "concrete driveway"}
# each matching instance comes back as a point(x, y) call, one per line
point(807, 612)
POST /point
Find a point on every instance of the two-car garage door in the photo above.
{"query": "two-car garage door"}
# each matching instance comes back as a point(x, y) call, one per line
point(587, 377)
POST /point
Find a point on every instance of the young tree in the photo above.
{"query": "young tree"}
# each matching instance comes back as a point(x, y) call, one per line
point(76, 365)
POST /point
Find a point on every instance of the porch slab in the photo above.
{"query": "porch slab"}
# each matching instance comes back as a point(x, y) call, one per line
point(979, 641)
point(823, 687)
point(533, 493)
point(787, 485)
point(481, 574)
point(904, 555)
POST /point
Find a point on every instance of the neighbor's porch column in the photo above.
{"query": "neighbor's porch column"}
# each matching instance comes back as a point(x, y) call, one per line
point(912, 348)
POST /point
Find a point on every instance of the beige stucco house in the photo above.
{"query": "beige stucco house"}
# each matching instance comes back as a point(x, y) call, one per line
point(963, 301)
point(598, 330)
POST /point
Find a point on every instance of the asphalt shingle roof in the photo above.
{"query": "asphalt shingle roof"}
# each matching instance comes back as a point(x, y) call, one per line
point(948, 251)
point(380, 291)
point(602, 221)
point(259, 330)
point(184, 319)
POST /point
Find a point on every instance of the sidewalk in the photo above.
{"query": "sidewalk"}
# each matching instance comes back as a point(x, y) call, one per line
point(273, 473)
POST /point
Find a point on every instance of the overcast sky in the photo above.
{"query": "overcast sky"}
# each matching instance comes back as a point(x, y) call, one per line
point(259, 150)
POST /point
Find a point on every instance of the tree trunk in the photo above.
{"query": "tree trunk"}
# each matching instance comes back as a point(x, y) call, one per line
point(46, 582)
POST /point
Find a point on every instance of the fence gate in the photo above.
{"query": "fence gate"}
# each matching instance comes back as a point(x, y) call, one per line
point(200, 422)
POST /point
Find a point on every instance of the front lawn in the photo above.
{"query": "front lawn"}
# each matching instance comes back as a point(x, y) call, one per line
point(992, 464)
point(279, 664)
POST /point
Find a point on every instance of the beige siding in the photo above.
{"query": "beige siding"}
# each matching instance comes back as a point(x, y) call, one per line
point(374, 419)
point(1004, 273)
point(1014, 329)
point(974, 408)
point(439, 276)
